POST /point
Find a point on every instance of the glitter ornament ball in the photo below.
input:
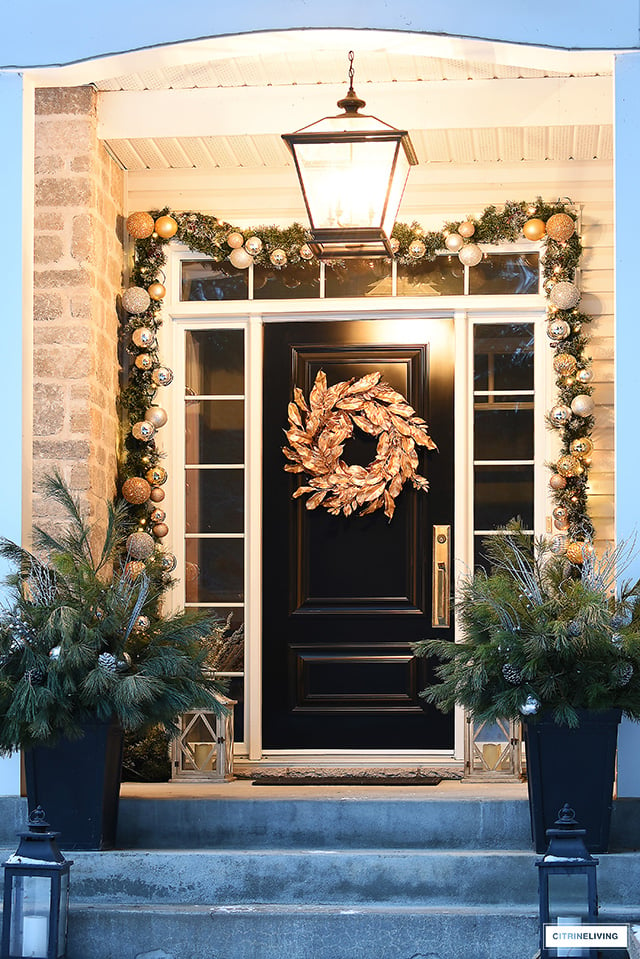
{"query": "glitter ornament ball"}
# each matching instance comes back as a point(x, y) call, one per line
point(559, 414)
point(143, 361)
point(470, 255)
point(235, 240)
point(558, 330)
point(556, 481)
point(166, 227)
point(157, 290)
point(454, 242)
point(466, 229)
point(162, 376)
point(575, 552)
point(140, 545)
point(416, 249)
point(534, 229)
point(582, 405)
point(581, 446)
point(560, 227)
point(140, 225)
point(564, 364)
point(133, 569)
point(240, 259)
point(143, 431)
point(143, 337)
point(564, 295)
point(568, 465)
point(157, 475)
point(135, 300)
point(278, 258)
point(585, 376)
point(253, 245)
point(136, 490)
point(307, 253)
point(160, 530)
point(157, 494)
point(156, 416)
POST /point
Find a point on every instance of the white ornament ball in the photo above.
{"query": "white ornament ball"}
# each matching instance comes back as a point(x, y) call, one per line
point(585, 376)
point(240, 259)
point(564, 295)
point(470, 255)
point(143, 430)
point(253, 245)
point(235, 240)
point(559, 414)
point(162, 376)
point(417, 249)
point(530, 707)
point(156, 416)
point(307, 253)
point(582, 405)
point(143, 337)
point(135, 300)
point(278, 257)
point(454, 242)
point(55, 652)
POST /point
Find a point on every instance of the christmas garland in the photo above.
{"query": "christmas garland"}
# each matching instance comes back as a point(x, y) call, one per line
point(288, 249)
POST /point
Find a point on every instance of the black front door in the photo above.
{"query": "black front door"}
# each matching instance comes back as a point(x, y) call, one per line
point(344, 597)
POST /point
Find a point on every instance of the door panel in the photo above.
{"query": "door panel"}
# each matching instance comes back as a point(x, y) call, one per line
point(344, 597)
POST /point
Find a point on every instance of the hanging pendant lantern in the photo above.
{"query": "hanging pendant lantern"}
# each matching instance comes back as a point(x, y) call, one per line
point(353, 169)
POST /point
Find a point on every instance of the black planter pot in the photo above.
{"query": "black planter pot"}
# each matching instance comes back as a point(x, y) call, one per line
point(574, 766)
point(77, 783)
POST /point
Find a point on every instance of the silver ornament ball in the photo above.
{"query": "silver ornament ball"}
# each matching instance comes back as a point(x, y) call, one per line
point(156, 416)
point(162, 376)
point(564, 295)
point(135, 300)
point(582, 405)
point(470, 255)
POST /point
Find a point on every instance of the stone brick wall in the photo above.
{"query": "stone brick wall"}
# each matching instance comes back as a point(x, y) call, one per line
point(78, 263)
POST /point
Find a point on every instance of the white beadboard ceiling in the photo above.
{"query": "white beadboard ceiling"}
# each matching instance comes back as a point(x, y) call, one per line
point(228, 111)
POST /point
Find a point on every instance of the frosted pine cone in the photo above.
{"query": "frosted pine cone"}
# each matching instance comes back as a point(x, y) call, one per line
point(35, 676)
point(512, 674)
point(108, 661)
point(622, 673)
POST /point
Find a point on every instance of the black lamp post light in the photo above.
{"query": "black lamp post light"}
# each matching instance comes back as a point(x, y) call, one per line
point(36, 895)
point(568, 893)
point(353, 169)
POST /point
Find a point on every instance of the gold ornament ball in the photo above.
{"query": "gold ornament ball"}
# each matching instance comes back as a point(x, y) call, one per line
point(143, 337)
point(534, 229)
point(470, 255)
point(394, 243)
point(160, 530)
point(235, 240)
point(581, 446)
point(143, 361)
point(240, 258)
point(140, 225)
point(133, 569)
point(564, 364)
point(140, 545)
point(567, 465)
point(157, 476)
point(156, 416)
point(157, 290)
point(454, 242)
point(135, 300)
point(157, 515)
point(166, 227)
point(556, 481)
point(253, 245)
point(560, 227)
point(141, 624)
point(575, 552)
point(582, 405)
point(307, 253)
point(466, 229)
point(278, 258)
point(157, 495)
point(585, 376)
point(564, 295)
point(558, 330)
point(417, 249)
point(162, 376)
point(143, 431)
point(136, 490)
point(559, 414)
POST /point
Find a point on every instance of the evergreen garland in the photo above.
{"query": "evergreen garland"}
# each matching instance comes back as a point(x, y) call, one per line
point(209, 236)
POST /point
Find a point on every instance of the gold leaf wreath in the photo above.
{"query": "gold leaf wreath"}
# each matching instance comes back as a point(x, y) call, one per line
point(318, 431)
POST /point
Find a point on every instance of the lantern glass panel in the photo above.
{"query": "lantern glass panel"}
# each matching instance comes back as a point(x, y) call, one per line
point(63, 912)
point(568, 898)
point(30, 903)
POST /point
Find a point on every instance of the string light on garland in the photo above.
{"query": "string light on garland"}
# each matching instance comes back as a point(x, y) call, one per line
point(288, 250)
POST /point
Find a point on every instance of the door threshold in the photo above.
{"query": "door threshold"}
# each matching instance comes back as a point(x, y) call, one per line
point(370, 764)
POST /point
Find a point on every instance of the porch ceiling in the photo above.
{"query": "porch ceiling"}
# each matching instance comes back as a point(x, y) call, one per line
point(462, 102)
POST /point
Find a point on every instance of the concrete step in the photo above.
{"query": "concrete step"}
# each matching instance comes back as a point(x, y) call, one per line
point(348, 931)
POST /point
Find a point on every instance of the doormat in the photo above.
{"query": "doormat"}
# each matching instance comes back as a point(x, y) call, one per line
point(346, 780)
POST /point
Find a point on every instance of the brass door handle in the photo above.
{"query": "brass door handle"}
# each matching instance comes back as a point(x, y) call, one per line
point(441, 577)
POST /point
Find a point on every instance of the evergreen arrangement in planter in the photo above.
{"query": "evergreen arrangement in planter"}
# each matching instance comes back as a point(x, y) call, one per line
point(84, 638)
point(541, 635)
